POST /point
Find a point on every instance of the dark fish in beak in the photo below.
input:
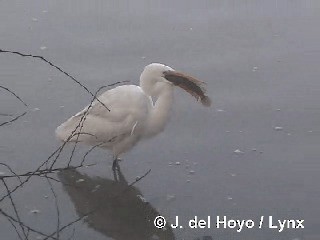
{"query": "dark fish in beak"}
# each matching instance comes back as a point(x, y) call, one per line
point(190, 84)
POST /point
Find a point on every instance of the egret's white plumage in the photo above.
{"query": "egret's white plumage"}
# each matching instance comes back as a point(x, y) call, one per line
point(133, 114)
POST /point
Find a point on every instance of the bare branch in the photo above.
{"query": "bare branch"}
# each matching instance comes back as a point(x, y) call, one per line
point(14, 208)
point(57, 207)
point(15, 228)
point(25, 226)
point(47, 167)
point(140, 178)
point(12, 120)
point(8, 90)
point(10, 169)
point(55, 66)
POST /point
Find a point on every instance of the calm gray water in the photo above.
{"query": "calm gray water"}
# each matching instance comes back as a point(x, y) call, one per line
point(260, 60)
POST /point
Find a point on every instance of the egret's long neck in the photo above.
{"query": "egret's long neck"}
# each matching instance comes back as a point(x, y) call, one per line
point(160, 111)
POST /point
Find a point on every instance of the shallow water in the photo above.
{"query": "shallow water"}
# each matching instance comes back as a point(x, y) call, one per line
point(260, 61)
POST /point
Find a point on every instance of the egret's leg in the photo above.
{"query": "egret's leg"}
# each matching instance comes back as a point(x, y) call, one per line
point(115, 175)
point(115, 164)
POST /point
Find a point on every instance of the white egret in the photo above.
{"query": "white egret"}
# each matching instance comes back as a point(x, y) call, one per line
point(133, 114)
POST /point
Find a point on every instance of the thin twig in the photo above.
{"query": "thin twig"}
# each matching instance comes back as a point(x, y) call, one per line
point(10, 169)
point(25, 226)
point(90, 150)
point(139, 178)
point(10, 91)
point(57, 207)
point(69, 224)
point(15, 228)
point(45, 171)
point(81, 122)
point(42, 170)
point(12, 120)
point(14, 208)
point(53, 65)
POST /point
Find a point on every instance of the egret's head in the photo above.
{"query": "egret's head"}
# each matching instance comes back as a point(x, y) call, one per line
point(157, 76)
point(156, 69)
point(152, 79)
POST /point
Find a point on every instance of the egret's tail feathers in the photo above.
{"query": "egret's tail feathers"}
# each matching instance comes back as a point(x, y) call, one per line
point(63, 134)
point(69, 131)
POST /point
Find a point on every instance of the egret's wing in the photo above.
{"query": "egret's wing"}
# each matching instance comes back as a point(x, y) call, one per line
point(128, 106)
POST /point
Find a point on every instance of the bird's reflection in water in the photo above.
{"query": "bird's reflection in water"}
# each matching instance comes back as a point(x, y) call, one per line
point(117, 209)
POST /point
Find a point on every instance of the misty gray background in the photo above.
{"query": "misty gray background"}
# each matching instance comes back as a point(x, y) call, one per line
point(260, 60)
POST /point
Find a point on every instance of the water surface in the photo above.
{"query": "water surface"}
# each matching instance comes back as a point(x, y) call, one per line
point(260, 61)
